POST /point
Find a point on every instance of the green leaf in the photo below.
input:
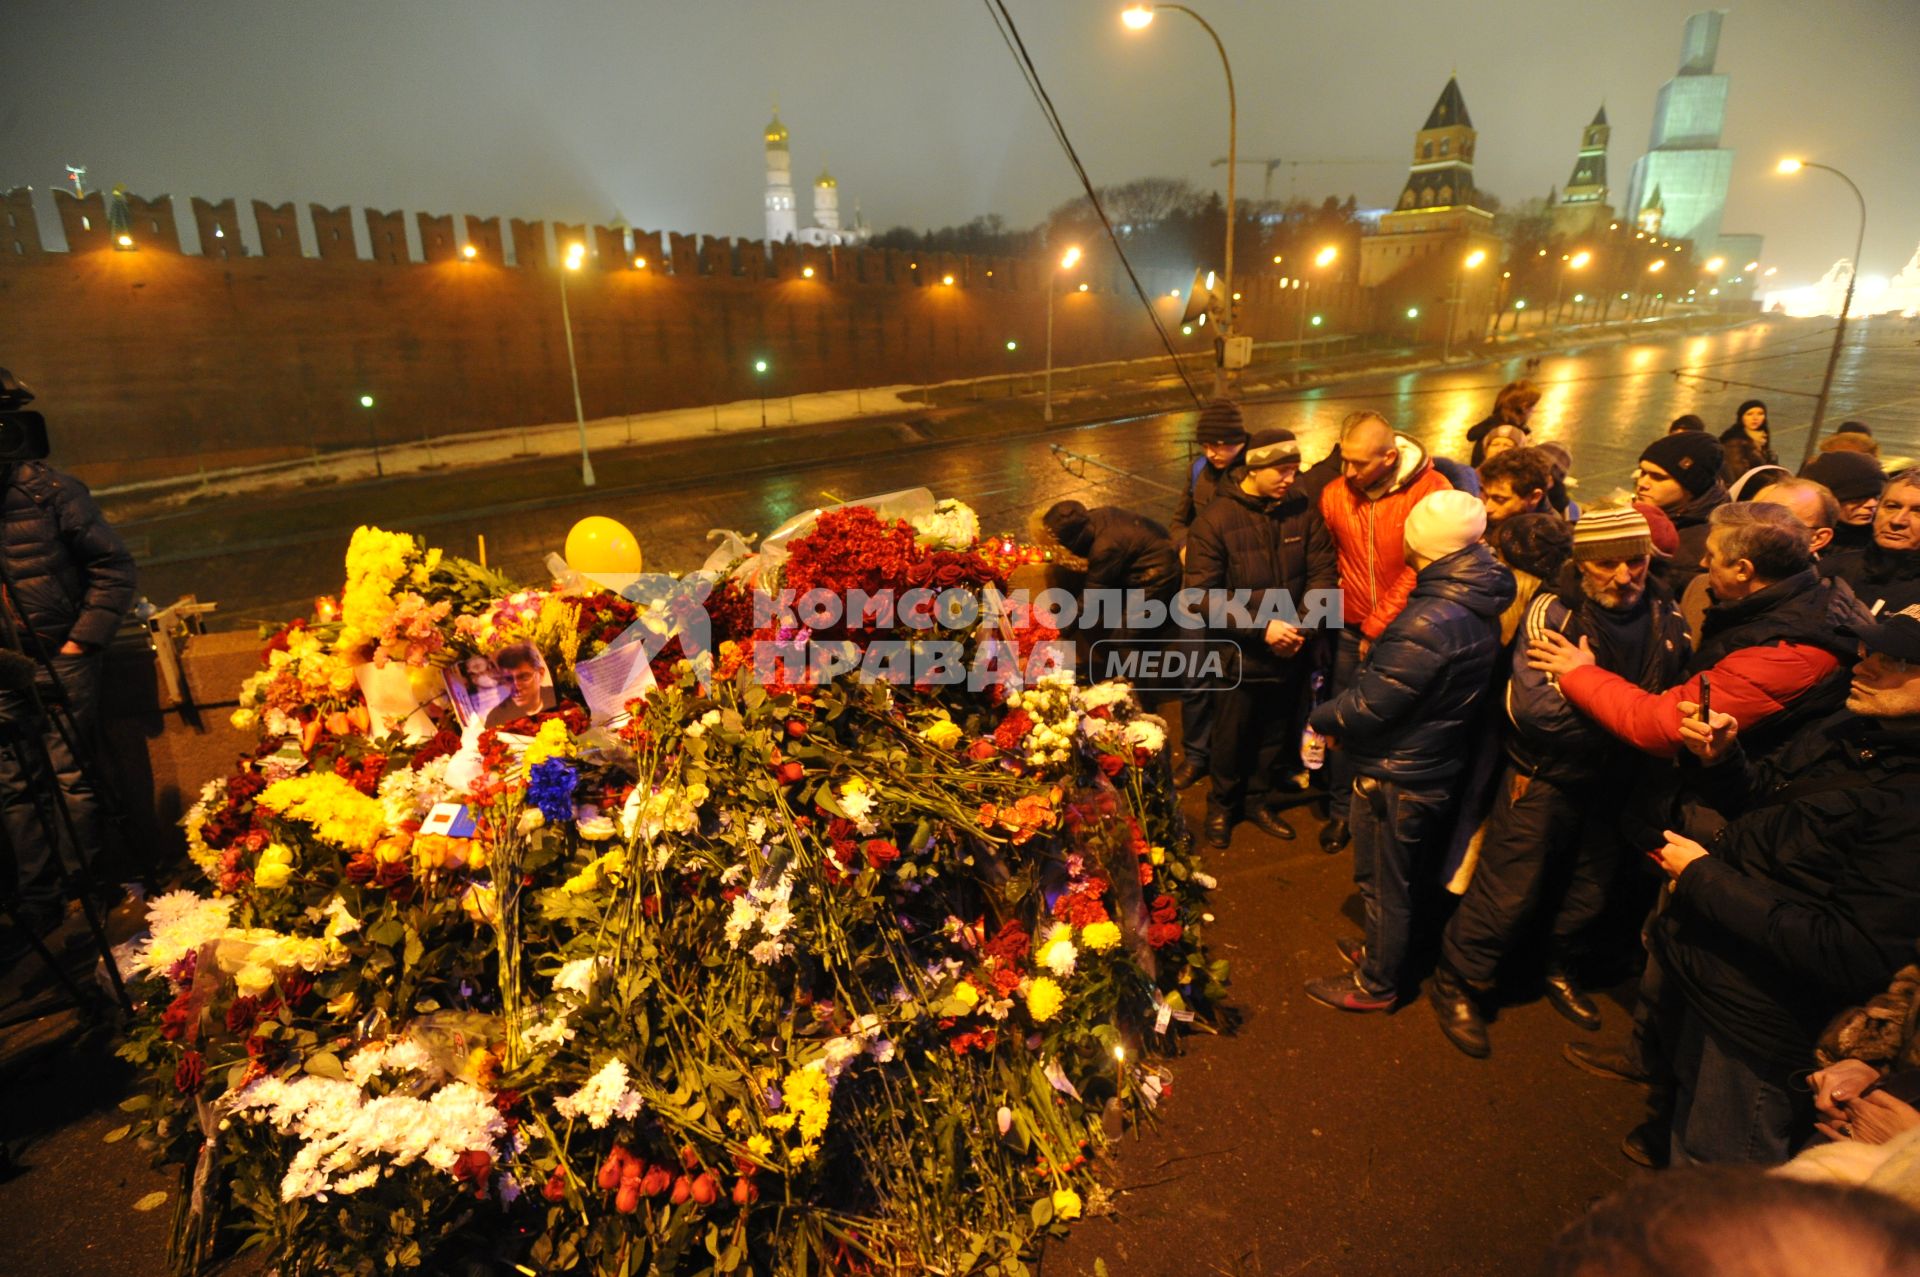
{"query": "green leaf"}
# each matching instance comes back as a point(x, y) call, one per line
point(325, 1064)
point(117, 1134)
point(1042, 1211)
point(152, 1201)
point(136, 1103)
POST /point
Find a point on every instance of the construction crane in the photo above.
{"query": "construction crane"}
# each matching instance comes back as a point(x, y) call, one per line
point(1295, 166)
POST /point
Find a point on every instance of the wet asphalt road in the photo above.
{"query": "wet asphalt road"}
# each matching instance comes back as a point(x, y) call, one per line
point(1307, 1141)
point(267, 556)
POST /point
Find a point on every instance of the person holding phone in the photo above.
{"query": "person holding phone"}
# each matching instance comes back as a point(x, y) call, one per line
point(1807, 902)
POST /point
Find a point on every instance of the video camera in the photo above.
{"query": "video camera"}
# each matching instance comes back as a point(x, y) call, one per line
point(23, 434)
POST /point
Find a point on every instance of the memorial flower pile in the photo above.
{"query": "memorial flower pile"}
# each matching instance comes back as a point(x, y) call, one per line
point(819, 975)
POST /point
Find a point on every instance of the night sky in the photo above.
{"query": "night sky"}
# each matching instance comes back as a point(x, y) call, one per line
point(653, 110)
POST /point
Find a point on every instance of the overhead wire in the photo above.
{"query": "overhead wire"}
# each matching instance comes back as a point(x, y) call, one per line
point(1010, 35)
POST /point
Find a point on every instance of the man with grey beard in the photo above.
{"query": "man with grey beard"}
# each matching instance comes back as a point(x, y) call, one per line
point(1549, 844)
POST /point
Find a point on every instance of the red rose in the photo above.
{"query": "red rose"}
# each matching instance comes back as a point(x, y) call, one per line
point(473, 1167)
point(796, 727)
point(745, 1191)
point(555, 1189)
point(983, 750)
point(627, 1200)
point(790, 773)
point(1146, 874)
point(657, 1180)
point(706, 1189)
point(1112, 764)
point(240, 1015)
point(881, 853)
point(190, 1074)
point(682, 1189)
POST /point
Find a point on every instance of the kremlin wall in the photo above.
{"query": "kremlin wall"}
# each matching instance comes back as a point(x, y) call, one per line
point(152, 362)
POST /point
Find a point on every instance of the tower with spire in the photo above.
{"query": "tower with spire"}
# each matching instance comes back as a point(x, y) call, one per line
point(782, 218)
point(1438, 211)
point(1582, 205)
point(826, 202)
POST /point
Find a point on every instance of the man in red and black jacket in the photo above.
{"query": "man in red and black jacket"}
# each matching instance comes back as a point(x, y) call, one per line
point(1769, 646)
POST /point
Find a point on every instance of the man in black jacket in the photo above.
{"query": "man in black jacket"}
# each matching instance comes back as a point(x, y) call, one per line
point(1805, 904)
point(1886, 574)
point(1405, 719)
point(1129, 558)
point(1221, 433)
point(1553, 842)
point(1259, 536)
point(1680, 473)
point(68, 581)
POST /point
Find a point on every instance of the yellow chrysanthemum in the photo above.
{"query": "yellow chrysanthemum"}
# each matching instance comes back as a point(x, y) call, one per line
point(551, 741)
point(1100, 936)
point(1044, 999)
point(338, 812)
point(1066, 1204)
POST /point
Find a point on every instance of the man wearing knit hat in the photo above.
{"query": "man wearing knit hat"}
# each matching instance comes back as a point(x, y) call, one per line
point(1550, 845)
point(1261, 537)
point(1402, 724)
point(1856, 481)
point(1680, 473)
point(1221, 433)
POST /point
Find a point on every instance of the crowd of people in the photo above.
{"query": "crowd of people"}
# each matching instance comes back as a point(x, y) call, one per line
point(1673, 734)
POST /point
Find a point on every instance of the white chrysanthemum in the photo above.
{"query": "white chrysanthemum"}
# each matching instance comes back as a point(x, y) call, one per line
point(951, 526)
point(577, 977)
point(178, 923)
point(1145, 733)
point(604, 1097)
point(1111, 692)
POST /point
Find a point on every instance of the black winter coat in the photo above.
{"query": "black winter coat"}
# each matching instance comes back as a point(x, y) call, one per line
point(1131, 552)
point(1407, 715)
point(1690, 521)
point(1194, 498)
point(1244, 542)
point(71, 576)
point(1884, 580)
point(1810, 899)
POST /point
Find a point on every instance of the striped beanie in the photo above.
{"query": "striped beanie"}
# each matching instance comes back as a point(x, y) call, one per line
point(1614, 532)
point(1220, 422)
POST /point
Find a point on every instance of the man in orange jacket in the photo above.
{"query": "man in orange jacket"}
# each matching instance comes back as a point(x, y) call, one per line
point(1383, 476)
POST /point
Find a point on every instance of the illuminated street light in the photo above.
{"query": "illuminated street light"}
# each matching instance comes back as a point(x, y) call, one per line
point(760, 367)
point(1316, 321)
point(576, 256)
point(1471, 261)
point(1715, 265)
point(1751, 266)
point(1013, 345)
point(1413, 312)
point(1580, 259)
point(1068, 260)
point(373, 432)
point(806, 272)
point(1138, 17)
point(1846, 302)
point(1186, 330)
point(1326, 256)
point(1769, 272)
point(1657, 265)
point(469, 252)
point(639, 263)
point(1276, 259)
point(947, 280)
point(1520, 304)
point(123, 243)
point(366, 401)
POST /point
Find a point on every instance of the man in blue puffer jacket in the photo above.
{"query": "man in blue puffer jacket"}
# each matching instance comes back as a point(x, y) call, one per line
point(1403, 720)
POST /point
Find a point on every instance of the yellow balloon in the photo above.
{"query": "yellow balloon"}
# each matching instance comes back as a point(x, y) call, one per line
point(598, 545)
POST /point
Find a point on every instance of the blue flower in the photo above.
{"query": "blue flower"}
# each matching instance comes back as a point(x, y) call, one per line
point(550, 787)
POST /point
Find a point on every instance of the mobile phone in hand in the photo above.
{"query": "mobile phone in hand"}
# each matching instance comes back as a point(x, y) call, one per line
point(1706, 701)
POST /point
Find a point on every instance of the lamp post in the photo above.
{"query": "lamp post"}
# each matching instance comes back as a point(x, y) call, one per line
point(1789, 166)
point(1067, 262)
point(1576, 261)
point(760, 376)
point(1138, 17)
point(576, 254)
point(1469, 262)
point(373, 430)
point(1323, 259)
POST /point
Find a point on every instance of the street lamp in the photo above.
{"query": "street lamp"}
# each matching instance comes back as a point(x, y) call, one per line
point(1471, 261)
point(373, 430)
point(1137, 18)
point(1576, 261)
point(469, 252)
point(760, 381)
point(1790, 166)
point(1322, 259)
point(576, 255)
point(1068, 260)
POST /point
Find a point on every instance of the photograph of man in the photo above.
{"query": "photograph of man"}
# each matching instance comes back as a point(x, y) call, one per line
point(529, 685)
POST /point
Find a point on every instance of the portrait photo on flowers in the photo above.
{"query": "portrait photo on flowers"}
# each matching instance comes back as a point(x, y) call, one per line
point(504, 685)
